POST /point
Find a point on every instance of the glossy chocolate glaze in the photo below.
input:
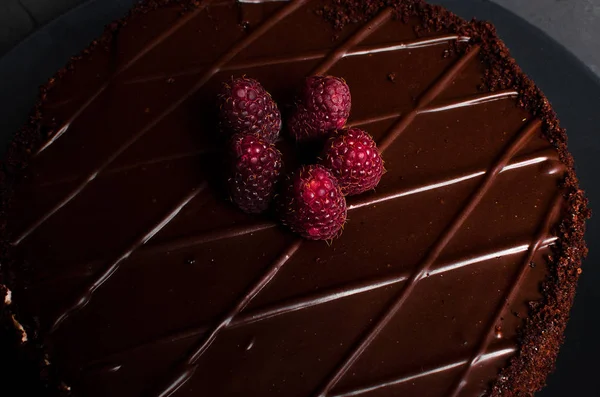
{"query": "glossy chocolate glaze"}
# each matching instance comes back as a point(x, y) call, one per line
point(145, 280)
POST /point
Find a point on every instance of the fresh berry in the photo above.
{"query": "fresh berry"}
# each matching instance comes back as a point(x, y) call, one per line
point(305, 126)
point(312, 204)
point(324, 107)
point(254, 172)
point(354, 159)
point(329, 97)
point(246, 107)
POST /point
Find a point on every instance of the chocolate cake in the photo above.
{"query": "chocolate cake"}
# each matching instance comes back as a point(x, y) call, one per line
point(126, 270)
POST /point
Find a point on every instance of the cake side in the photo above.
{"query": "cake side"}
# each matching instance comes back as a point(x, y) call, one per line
point(524, 373)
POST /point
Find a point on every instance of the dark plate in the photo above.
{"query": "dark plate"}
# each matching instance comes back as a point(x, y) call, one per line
point(572, 88)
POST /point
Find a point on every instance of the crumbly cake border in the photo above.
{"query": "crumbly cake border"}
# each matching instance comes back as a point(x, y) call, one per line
point(543, 332)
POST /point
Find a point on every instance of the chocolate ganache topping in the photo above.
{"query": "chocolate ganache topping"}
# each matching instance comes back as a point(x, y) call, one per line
point(136, 276)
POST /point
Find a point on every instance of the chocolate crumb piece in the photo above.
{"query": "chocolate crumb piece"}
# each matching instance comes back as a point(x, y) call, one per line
point(498, 332)
point(392, 77)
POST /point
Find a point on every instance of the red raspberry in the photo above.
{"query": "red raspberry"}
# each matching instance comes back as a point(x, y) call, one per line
point(246, 107)
point(354, 159)
point(305, 126)
point(254, 172)
point(324, 107)
point(329, 97)
point(312, 204)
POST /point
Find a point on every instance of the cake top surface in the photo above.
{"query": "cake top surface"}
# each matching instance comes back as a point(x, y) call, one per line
point(134, 266)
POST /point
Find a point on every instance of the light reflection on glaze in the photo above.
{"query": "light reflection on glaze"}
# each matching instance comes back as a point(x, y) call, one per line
point(407, 378)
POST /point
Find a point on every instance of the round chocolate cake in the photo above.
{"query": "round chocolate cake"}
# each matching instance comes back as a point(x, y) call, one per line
point(127, 270)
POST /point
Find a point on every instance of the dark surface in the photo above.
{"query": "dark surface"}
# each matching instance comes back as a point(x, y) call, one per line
point(569, 85)
point(574, 24)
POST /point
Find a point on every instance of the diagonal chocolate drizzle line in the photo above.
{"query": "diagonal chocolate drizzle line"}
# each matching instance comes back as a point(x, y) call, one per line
point(82, 300)
point(421, 270)
point(213, 235)
point(520, 162)
point(509, 296)
point(473, 100)
point(306, 56)
point(174, 245)
point(502, 352)
point(426, 98)
point(185, 370)
point(407, 45)
point(338, 53)
point(214, 69)
point(312, 300)
point(145, 50)
point(180, 243)
point(283, 59)
point(137, 164)
point(293, 305)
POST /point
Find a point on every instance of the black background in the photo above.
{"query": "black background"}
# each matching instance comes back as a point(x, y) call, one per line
point(572, 89)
